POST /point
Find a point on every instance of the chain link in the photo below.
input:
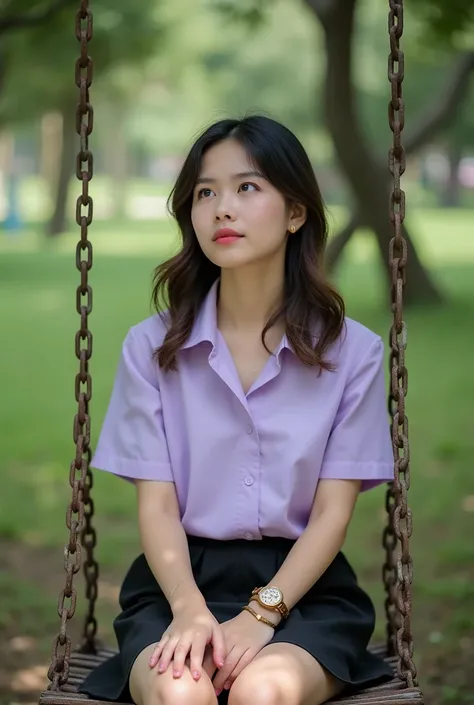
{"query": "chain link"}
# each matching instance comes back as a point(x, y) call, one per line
point(80, 509)
point(398, 566)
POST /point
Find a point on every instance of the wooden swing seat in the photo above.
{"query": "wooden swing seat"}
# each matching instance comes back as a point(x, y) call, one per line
point(81, 665)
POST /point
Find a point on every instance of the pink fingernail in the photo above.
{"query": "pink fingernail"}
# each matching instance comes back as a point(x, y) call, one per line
point(218, 691)
point(196, 675)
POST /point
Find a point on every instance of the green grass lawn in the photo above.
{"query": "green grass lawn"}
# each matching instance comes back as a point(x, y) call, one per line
point(37, 309)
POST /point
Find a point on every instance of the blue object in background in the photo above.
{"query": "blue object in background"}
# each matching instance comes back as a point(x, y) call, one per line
point(12, 222)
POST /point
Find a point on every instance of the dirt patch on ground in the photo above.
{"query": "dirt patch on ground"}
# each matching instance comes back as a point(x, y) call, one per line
point(32, 579)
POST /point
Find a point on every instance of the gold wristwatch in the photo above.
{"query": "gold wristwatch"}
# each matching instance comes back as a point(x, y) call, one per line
point(271, 597)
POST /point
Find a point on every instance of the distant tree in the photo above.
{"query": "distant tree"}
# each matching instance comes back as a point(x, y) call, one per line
point(33, 13)
point(42, 57)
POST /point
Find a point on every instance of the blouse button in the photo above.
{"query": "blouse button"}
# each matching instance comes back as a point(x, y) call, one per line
point(248, 481)
point(248, 536)
point(250, 428)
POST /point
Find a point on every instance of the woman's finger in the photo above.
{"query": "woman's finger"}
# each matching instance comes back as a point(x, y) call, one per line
point(197, 656)
point(246, 658)
point(154, 658)
point(218, 646)
point(223, 674)
point(167, 654)
point(208, 665)
point(179, 657)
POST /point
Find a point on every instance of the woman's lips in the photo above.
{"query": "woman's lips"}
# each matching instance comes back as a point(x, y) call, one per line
point(227, 239)
point(226, 235)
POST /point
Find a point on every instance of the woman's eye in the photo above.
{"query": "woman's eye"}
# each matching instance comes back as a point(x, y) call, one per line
point(202, 192)
point(248, 184)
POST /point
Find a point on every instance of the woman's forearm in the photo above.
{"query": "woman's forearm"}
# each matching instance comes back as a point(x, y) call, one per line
point(320, 542)
point(165, 544)
point(310, 556)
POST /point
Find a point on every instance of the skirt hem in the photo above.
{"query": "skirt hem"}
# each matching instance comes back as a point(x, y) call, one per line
point(333, 622)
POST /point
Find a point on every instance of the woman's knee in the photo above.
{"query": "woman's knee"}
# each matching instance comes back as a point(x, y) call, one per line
point(283, 674)
point(261, 689)
point(271, 681)
point(166, 690)
point(148, 687)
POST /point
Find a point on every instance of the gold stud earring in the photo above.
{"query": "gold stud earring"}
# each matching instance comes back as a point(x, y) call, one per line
point(292, 228)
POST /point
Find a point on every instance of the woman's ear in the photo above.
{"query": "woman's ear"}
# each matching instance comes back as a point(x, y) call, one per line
point(298, 215)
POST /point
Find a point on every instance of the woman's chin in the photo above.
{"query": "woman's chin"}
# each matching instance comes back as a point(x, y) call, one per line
point(230, 260)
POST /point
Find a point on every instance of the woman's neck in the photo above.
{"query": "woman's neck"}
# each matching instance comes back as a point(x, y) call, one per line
point(246, 302)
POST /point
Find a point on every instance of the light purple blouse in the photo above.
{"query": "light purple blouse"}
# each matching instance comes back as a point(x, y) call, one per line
point(246, 465)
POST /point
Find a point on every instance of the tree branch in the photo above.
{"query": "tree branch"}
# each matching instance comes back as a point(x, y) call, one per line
point(439, 115)
point(337, 243)
point(444, 106)
point(364, 171)
point(32, 19)
point(322, 8)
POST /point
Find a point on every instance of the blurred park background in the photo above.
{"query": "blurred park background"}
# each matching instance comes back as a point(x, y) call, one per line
point(164, 70)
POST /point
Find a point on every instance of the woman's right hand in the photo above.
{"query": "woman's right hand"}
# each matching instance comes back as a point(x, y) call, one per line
point(192, 629)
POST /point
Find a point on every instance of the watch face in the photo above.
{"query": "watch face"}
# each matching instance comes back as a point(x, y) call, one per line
point(271, 596)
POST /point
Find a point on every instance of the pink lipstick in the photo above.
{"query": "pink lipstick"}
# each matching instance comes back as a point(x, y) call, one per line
point(225, 236)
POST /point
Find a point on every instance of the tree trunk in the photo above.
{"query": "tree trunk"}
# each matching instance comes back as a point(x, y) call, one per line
point(337, 243)
point(58, 222)
point(450, 197)
point(439, 115)
point(368, 180)
point(51, 151)
point(117, 158)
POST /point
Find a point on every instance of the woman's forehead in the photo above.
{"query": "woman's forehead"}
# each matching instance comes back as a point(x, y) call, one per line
point(228, 157)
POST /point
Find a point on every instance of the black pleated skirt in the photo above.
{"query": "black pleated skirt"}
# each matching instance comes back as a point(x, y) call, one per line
point(334, 621)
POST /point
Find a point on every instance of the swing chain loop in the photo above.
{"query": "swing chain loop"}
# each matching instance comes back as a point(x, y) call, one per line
point(80, 509)
point(398, 566)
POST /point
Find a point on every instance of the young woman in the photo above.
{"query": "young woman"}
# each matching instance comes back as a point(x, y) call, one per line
point(249, 415)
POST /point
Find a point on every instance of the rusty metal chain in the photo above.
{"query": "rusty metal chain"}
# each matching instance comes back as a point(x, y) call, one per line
point(84, 214)
point(80, 510)
point(398, 567)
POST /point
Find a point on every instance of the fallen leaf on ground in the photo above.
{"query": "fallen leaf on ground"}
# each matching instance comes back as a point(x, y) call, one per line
point(468, 503)
point(33, 678)
point(22, 643)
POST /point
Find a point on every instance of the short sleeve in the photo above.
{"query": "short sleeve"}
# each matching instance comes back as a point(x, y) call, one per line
point(360, 445)
point(132, 441)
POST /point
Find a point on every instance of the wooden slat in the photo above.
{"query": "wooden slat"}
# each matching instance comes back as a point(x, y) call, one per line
point(389, 693)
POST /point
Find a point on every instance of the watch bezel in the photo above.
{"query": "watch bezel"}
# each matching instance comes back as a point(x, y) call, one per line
point(265, 589)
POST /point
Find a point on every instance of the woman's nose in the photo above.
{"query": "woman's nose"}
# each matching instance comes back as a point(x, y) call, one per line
point(224, 209)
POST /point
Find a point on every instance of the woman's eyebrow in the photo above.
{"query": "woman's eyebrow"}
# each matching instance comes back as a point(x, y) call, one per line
point(242, 175)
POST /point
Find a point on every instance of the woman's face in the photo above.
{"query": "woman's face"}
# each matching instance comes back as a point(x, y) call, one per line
point(229, 194)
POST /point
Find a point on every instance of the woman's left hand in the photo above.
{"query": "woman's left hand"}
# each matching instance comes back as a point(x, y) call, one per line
point(244, 636)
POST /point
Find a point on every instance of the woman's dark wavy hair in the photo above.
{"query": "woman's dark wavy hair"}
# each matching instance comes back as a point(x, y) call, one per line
point(183, 281)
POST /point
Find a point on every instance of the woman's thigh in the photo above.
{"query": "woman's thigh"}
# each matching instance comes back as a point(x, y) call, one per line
point(148, 687)
point(283, 673)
